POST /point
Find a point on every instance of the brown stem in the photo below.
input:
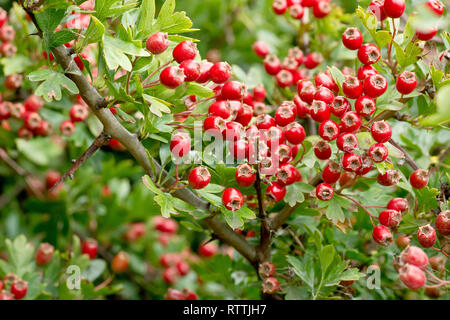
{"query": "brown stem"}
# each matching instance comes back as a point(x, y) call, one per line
point(408, 159)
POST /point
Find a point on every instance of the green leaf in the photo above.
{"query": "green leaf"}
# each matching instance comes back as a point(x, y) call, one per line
point(326, 257)
point(442, 116)
point(61, 37)
point(50, 89)
point(334, 211)
point(21, 255)
point(94, 269)
point(213, 188)
point(234, 220)
point(245, 213)
point(303, 270)
point(199, 90)
point(166, 207)
point(16, 64)
point(115, 51)
point(294, 193)
point(146, 17)
point(39, 150)
point(157, 106)
point(93, 33)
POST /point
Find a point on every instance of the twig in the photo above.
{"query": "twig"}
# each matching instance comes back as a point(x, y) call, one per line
point(408, 159)
point(266, 232)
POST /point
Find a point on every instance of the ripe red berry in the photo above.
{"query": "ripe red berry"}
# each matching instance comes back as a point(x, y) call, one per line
point(347, 142)
point(233, 90)
point(394, 8)
point(302, 107)
point(321, 9)
point(279, 6)
point(3, 17)
point(245, 175)
point(233, 131)
point(19, 289)
point(32, 120)
point(443, 223)
point(232, 199)
point(319, 111)
point(189, 295)
point(51, 177)
point(90, 247)
point(389, 178)
point(214, 125)
point(328, 130)
point(44, 254)
point(390, 218)
point(78, 113)
point(324, 94)
point(264, 121)
point(398, 204)
point(220, 72)
point(33, 103)
point(309, 3)
point(285, 114)
point(284, 78)
point(340, 106)
point(180, 144)
point(120, 262)
point(186, 50)
point(412, 277)
point(208, 249)
point(351, 162)
point(365, 71)
point(436, 6)
point(259, 93)
point(365, 106)
point(352, 87)
point(427, 33)
point(220, 109)
point(350, 122)
point(306, 91)
point(5, 112)
point(377, 8)
point(382, 235)
point(183, 268)
point(270, 285)
point(272, 64)
point(294, 133)
point(261, 49)
point(426, 236)
point(13, 81)
point(324, 79)
point(332, 172)
point(415, 256)
point(205, 67)
point(312, 60)
point(157, 43)
point(324, 192)
point(378, 152)
point(296, 11)
point(266, 269)
point(419, 179)
point(406, 82)
point(375, 85)
point(352, 38)
point(171, 275)
point(172, 76)
point(322, 150)
point(246, 116)
point(191, 70)
point(381, 131)
point(7, 33)
point(199, 178)
point(366, 164)
point(369, 54)
point(276, 192)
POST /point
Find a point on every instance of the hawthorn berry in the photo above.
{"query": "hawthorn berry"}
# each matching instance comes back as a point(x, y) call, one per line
point(369, 54)
point(398, 204)
point(185, 50)
point(352, 87)
point(309, 3)
point(276, 192)
point(44, 254)
point(294, 133)
point(279, 6)
point(266, 269)
point(32, 120)
point(389, 178)
point(419, 179)
point(172, 77)
point(406, 82)
point(347, 142)
point(90, 247)
point(412, 277)
point(366, 164)
point(171, 275)
point(352, 38)
point(183, 268)
point(232, 199)
point(302, 107)
point(120, 262)
point(287, 174)
point(390, 218)
point(259, 93)
point(340, 106)
point(321, 9)
point(7, 33)
point(375, 85)
point(180, 144)
point(322, 150)
point(205, 67)
point(324, 94)
point(264, 122)
point(285, 115)
point(191, 70)
point(208, 249)
point(220, 109)
point(351, 162)
point(189, 295)
point(443, 223)
point(245, 175)
point(199, 178)
point(13, 81)
point(296, 11)
point(214, 125)
point(377, 8)
point(166, 225)
point(381, 131)
point(324, 192)
point(284, 78)
point(306, 91)
point(324, 79)
point(426, 34)
point(328, 130)
point(233, 90)
point(436, 6)
point(4, 295)
point(33, 103)
point(19, 289)
point(270, 285)
point(415, 256)
point(378, 152)
point(347, 179)
point(3, 17)
point(331, 172)
point(350, 122)
point(365, 71)
point(365, 106)
point(437, 263)
point(246, 116)
point(403, 241)
point(173, 294)
point(394, 8)
point(157, 43)
point(272, 64)
point(220, 72)
point(382, 235)
point(319, 111)
point(426, 236)
point(78, 113)
point(261, 49)
point(312, 60)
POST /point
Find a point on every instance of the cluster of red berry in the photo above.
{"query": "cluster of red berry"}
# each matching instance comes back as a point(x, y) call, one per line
point(320, 8)
point(17, 288)
point(270, 284)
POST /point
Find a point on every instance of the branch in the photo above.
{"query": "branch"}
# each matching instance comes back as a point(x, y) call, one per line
point(100, 141)
point(114, 128)
point(408, 159)
point(266, 232)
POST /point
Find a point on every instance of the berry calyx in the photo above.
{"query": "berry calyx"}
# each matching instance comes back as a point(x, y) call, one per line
point(276, 192)
point(426, 236)
point(378, 152)
point(375, 85)
point(328, 130)
point(369, 54)
point(266, 269)
point(324, 192)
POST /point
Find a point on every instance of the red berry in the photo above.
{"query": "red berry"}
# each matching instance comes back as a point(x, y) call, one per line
point(389, 178)
point(365, 106)
point(220, 72)
point(272, 64)
point(381, 131)
point(426, 34)
point(351, 162)
point(302, 107)
point(366, 164)
point(328, 130)
point(412, 277)
point(220, 109)
point(279, 6)
point(183, 268)
point(7, 33)
point(306, 91)
point(233, 131)
point(321, 9)
point(352, 87)
point(324, 94)
point(78, 113)
point(284, 78)
point(245, 175)
point(377, 8)
point(13, 81)
point(173, 294)
point(3, 17)
point(33, 121)
point(44, 129)
point(19, 289)
point(264, 121)
point(276, 192)
point(199, 178)
point(436, 6)
point(294, 133)
point(390, 218)
point(350, 122)
point(266, 269)
point(259, 92)
point(186, 50)
point(375, 86)
point(172, 77)
point(232, 199)
point(90, 247)
point(394, 8)
point(398, 204)
point(285, 114)
point(180, 144)
point(324, 79)
point(443, 223)
point(214, 125)
point(406, 82)
point(322, 150)
point(309, 3)
point(320, 111)
point(340, 106)
point(331, 172)
point(378, 152)
point(426, 236)
point(347, 142)
point(33, 103)
point(120, 262)
point(419, 179)
point(171, 275)
point(415, 256)
point(189, 295)
point(208, 249)
point(382, 235)
point(191, 70)
point(347, 179)
point(205, 67)
point(369, 54)
point(233, 90)
point(157, 43)
point(313, 60)
point(324, 192)
point(270, 285)
point(365, 71)
point(287, 174)
point(44, 254)
point(297, 11)
point(352, 38)
point(246, 116)
point(261, 49)
point(5, 112)
point(51, 177)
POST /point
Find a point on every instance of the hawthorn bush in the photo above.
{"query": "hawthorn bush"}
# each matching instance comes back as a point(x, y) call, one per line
point(299, 150)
